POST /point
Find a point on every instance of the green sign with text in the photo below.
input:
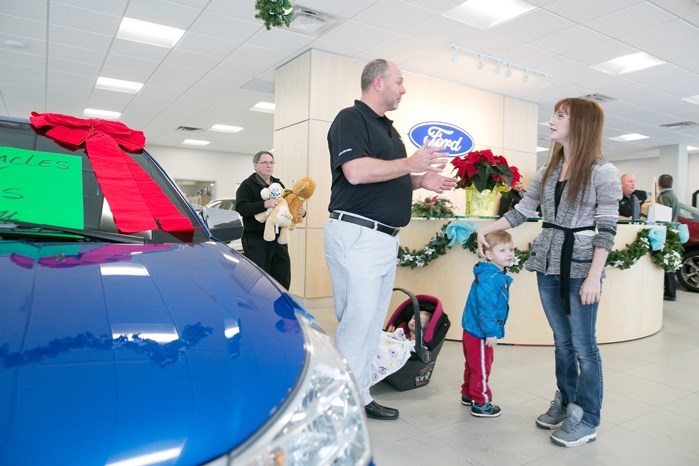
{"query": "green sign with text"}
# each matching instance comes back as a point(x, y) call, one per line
point(41, 187)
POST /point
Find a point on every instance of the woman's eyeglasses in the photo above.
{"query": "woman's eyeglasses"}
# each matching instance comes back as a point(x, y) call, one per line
point(559, 116)
point(268, 163)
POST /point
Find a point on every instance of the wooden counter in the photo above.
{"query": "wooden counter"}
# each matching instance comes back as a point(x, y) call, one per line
point(631, 305)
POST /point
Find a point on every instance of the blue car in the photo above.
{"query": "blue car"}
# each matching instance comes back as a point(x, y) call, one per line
point(131, 334)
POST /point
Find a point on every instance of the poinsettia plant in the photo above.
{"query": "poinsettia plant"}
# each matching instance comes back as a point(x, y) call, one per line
point(484, 170)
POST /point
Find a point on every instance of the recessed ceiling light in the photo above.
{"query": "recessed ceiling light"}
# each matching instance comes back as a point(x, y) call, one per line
point(118, 85)
point(149, 33)
point(541, 149)
point(629, 137)
point(102, 113)
point(629, 63)
point(692, 148)
point(267, 107)
point(15, 44)
point(196, 142)
point(488, 13)
point(692, 100)
point(226, 128)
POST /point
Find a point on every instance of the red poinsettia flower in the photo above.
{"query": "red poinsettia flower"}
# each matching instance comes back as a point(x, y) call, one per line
point(484, 170)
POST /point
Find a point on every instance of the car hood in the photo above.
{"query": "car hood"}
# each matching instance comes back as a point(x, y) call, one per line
point(110, 352)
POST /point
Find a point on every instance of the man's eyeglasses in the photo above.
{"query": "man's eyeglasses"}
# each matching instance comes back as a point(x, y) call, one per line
point(268, 163)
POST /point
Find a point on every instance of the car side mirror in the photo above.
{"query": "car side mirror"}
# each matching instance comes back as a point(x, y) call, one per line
point(225, 225)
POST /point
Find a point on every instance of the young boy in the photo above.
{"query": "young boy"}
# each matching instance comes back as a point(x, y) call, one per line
point(484, 320)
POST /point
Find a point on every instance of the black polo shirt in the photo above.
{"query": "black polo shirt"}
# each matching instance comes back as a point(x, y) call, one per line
point(626, 206)
point(359, 132)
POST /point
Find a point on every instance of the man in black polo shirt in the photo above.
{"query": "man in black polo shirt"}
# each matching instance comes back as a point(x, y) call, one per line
point(632, 198)
point(371, 193)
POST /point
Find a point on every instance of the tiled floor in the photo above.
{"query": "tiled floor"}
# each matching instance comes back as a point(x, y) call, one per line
point(650, 413)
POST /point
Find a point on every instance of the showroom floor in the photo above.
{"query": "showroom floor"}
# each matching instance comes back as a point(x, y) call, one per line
point(650, 413)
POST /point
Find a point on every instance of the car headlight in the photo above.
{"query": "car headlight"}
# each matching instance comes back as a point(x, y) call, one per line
point(322, 422)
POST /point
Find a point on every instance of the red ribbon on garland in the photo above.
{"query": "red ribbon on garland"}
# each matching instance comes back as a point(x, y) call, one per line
point(136, 201)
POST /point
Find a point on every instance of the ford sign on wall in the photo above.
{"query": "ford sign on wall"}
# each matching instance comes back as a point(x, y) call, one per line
point(455, 140)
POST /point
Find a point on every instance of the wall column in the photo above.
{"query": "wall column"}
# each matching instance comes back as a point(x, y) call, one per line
point(673, 160)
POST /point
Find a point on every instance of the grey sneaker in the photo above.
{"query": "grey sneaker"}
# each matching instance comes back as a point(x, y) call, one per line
point(574, 432)
point(553, 418)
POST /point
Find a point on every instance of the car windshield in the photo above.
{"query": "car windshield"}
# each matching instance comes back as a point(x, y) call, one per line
point(52, 193)
point(687, 211)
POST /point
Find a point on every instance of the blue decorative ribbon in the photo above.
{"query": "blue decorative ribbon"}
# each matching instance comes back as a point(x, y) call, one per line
point(459, 231)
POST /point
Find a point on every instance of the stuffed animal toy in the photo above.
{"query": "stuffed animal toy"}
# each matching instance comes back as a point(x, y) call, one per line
point(301, 190)
point(274, 191)
point(278, 221)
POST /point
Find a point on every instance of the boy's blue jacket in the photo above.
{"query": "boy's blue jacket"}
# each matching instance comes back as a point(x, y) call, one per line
point(487, 305)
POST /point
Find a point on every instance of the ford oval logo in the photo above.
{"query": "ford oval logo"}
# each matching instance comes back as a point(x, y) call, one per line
point(455, 140)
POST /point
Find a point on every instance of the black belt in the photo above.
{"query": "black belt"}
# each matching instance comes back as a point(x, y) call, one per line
point(566, 258)
point(343, 217)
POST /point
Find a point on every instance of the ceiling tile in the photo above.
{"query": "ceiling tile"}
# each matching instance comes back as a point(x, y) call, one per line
point(639, 17)
point(224, 27)
point(21, 27)
point(394, 16)
point(163, 12)
point(581, 12)
point(533, 25)
point(83, 19)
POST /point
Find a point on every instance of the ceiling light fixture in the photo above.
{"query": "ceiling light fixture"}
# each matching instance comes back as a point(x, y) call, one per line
point(266, 107)
point(149, 33)
point(482, 57)
point(108, 114)
point(488, 13)
point(692, 100)
point(226, 128)
point(195, 142)
point(628, 63)
point(629, 137)
point(118, 85)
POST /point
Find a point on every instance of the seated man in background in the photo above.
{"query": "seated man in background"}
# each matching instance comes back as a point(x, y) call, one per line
point(509, 200)
point(631, 199)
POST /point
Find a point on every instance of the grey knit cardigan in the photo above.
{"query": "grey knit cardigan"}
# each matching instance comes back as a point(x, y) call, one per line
point(599, 207)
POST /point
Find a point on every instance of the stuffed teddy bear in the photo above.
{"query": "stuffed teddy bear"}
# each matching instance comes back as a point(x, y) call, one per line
point(274, 191)
point(301, 190)
point(279, 220)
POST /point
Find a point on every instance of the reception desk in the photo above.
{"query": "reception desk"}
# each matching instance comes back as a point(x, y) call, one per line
point(631, 305)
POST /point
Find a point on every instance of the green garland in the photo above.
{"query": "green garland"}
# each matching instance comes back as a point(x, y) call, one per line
point(432, 207)
point(275, 13)
point(669, 258)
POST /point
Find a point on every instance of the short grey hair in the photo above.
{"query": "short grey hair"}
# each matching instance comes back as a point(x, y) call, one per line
point(374, 69)
point(256, 158)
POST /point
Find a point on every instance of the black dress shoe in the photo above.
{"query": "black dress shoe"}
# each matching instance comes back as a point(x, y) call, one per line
point(376, 411)
point(669, 298)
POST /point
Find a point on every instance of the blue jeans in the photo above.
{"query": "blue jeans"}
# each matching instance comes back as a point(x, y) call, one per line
point(578, 362)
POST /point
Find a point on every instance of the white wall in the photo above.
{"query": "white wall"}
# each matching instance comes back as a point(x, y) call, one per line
point(224, 168)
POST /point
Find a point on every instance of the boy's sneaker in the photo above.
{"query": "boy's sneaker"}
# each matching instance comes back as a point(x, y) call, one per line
point(466, 401)
point(485, 410)
point(574, 432)
point(553, 418)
